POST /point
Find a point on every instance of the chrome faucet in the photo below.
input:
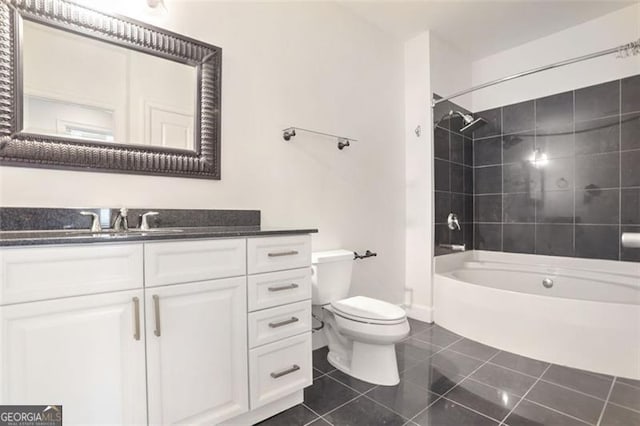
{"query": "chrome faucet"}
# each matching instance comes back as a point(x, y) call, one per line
point(121, 223)
point(452, 222)
point(144, 222)
point(95, 221)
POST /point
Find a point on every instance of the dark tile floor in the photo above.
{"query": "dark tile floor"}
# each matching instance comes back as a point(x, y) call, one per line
point(446, 379)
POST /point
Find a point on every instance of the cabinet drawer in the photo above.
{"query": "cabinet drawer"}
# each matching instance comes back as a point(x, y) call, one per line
point(278, 253)
point(273, 324)
point(278, 369)
point(279, 288)
point(196, 260)
point(38, 273)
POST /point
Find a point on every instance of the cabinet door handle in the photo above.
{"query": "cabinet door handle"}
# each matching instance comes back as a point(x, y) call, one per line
point(283, 253)
point(156, 310)
point(293, 369)
point(284, 287)
point(285, 322)
point(136, 315)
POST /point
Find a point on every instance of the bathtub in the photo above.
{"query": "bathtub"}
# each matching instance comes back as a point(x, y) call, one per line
point(587, 316)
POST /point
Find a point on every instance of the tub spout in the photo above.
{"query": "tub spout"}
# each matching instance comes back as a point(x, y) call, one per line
point(454, 247)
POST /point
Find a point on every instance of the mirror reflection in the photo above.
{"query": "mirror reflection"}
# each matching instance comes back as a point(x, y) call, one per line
point(81, 88)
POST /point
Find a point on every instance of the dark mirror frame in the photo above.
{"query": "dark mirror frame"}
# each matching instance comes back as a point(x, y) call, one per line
point(22, 149)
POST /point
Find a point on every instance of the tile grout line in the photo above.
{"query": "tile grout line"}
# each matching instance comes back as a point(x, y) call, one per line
point(408, 419)
point(555, 410)
point(525, 394)
point(535, 200)
point(456, 385)
point(571, 389)
point(316, 413)
point(606, 402)
point(359, 394)
point(496, 421)
point(502, 179)
point(635, 410)
point(619, 173)
point(470, 374)
point(341, 405)
point(575, 166)
point(353, 389)
point(516, 371)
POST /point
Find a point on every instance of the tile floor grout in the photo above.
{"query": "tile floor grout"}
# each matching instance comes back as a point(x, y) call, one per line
point(606, 402)
point(540, 377)
point(409, 420)
point(456, 385)
point(557, 411)
point(316, 413)
point(342, 405)
point(388, 408)
point(572, 389)
point(525, 395)
point(635, 410)
point(411, 362)
point(517, 371)
point(353, 389)
point(627, 384)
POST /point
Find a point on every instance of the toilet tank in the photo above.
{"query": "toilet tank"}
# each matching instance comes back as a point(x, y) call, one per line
point(331, 276)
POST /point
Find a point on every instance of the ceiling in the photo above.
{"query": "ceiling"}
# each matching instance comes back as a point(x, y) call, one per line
point(480, 28)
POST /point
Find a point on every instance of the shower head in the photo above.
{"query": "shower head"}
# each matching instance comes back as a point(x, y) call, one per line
point(471, 124)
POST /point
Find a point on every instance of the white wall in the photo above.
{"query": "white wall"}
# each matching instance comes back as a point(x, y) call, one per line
point(450, 71)
point(431, 66)
point(611, 30)
point(284, 64)
point(419, 178)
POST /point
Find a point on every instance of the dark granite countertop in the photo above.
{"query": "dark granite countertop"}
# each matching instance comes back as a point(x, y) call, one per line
point(75, 236)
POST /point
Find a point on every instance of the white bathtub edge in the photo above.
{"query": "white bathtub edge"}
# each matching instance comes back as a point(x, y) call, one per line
point(538, 327)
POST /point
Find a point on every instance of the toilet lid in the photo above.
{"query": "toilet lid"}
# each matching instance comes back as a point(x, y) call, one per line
point(368, 308)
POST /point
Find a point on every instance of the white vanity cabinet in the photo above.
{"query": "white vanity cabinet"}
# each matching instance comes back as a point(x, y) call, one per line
point(196, 331)
point(157, 332)
point(85, 352)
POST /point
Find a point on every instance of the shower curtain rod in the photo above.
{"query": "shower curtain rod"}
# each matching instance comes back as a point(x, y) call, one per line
point(629, 49)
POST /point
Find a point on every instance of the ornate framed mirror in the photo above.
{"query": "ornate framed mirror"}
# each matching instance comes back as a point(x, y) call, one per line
point(81, 89)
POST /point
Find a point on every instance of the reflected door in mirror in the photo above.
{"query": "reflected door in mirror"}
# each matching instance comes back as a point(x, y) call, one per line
point(76, 87)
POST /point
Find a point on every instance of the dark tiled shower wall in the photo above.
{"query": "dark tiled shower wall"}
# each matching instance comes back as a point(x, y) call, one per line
point(582, 189)
point(453, 166)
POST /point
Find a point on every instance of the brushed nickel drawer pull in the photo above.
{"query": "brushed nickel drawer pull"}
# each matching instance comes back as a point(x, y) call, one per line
point(285, 372)
point(156, 309)
point(284, 287)
point(136, 314)
point(283, 253)
point(285, 322)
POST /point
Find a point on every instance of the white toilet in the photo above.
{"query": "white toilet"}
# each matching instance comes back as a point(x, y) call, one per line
point(361, 331)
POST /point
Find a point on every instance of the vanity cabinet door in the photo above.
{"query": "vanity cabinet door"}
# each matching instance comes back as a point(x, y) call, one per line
point(85, 353)
point(197, 352)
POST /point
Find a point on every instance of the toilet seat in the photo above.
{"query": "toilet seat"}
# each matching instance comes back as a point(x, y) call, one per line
point(368, 310)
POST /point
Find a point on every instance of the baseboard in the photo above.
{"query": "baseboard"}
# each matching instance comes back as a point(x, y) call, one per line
point(419, 312)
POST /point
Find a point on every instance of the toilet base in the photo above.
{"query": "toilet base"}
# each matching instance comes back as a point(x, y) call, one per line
point(375, 364)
